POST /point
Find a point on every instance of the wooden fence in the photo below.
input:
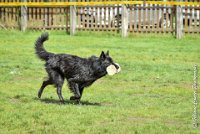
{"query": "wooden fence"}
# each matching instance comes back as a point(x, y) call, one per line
point(141, 18)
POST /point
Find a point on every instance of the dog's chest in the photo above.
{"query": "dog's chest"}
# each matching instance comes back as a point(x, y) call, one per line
point(87, 83)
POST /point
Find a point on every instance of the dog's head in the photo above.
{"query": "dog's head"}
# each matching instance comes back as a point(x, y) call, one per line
point(108, 63)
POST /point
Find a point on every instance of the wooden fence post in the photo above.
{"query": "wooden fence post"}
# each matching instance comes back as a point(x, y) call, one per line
point(179, 21)
point(124, 21)
point(23, 24)
point(72, 19)
point(46, 16)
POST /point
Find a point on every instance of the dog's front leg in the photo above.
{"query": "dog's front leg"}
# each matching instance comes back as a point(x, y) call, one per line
point(75, 89)
point(79, 88)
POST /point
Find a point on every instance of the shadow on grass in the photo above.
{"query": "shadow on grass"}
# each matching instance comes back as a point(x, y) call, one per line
point(53, 101)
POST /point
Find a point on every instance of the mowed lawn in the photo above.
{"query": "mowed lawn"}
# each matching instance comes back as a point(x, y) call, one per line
point(152, 94)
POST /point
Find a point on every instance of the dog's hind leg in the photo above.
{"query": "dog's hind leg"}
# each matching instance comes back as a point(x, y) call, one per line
point(59, 92)
point(58, 80)
point(44, 84)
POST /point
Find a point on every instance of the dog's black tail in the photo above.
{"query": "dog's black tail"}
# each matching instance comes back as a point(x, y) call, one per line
point(39, 49)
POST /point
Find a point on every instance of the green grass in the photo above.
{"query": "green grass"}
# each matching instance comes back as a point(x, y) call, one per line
point(152, 94)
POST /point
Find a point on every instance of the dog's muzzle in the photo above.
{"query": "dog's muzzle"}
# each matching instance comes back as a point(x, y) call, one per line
point(113, 69)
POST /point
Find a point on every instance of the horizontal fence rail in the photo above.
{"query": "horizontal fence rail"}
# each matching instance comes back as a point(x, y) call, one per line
point(93, 3)
point(142, 16)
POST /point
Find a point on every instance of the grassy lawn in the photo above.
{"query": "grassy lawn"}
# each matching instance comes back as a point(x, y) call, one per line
point(152, 94)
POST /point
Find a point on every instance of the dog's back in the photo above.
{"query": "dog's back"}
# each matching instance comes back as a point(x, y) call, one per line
point(68, 65)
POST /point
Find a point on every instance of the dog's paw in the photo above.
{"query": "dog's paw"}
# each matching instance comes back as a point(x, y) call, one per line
point(75, 100)
point(39, 95)
point(62, 102)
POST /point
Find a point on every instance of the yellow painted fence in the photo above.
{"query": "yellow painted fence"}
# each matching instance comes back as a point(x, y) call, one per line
point(104, 15)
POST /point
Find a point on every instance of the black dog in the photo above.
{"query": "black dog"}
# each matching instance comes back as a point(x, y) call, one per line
point(79, 72)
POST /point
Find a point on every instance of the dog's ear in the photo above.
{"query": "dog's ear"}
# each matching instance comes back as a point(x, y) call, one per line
point(102, 56)
point(107, 53)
